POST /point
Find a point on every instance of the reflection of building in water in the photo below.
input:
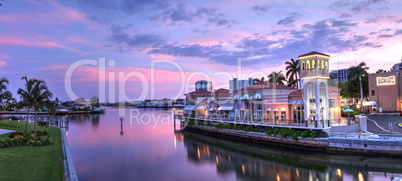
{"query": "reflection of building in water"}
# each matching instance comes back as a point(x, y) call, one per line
point(251, 163)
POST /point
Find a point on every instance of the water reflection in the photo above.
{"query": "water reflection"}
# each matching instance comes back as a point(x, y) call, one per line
point(261, 163)
point(104, 148)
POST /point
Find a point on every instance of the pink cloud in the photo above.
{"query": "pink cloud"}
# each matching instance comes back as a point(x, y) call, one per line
point(6, 40)
point(2, 64)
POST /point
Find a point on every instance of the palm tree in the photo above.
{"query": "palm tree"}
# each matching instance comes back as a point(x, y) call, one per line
point(292, 74)
point(357, 72)
point(41, 98)
point(26, 95)
point(277, 78)
point(3, 89)
point(259, 80)
point(8, 97)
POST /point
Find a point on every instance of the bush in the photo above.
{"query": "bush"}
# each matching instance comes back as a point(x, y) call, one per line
point(14, 118)
point(237, 127)
point(248, 128)
point(305, 134)
point(191, 122)
point(13, 134)
point(295, 136)
point(276, 131)
point(269, 132)
point(313, 134)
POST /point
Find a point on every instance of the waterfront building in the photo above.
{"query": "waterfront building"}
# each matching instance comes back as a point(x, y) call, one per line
point(314, 105)
point(385, 90)
point(397, 67)
point(340, 75)
point(203, 85)
point(237, 84)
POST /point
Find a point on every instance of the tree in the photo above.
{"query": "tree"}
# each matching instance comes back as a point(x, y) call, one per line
point(26, 96)
point(292, 72)
point(41, 98)
point(94, 102)
point(4, 94)
point(277, 78)
point(8, 97)
point(356, 72)
point(259, 80)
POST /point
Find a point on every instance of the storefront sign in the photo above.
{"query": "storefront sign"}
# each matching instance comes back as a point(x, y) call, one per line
point(386, 80)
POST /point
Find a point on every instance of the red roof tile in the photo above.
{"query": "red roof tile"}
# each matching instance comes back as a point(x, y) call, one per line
point(200, 92)
point(313, 53)
point(222, 89)
point(265, 85)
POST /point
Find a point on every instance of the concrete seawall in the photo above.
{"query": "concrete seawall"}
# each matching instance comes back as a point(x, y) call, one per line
point(384, 148)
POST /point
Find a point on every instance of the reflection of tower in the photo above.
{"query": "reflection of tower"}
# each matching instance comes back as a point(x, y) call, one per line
point(314, 82)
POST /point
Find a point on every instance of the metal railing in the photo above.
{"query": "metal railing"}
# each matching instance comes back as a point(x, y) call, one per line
point(365, 135)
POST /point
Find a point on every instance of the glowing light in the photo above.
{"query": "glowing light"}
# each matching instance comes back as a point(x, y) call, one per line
point(230, 159)
point(315, 77)
point(19, 121)
point(66, 133)
point(174, 138)
point(297, 172)
point(360, 176)
point(339, 172)
point(217, 159)
point(198, 151)
point(242, 169)
point(278, 178)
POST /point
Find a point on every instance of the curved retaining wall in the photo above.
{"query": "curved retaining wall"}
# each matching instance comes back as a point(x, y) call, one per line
point(385, 148)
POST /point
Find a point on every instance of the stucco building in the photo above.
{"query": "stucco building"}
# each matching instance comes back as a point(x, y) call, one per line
point(386, 90)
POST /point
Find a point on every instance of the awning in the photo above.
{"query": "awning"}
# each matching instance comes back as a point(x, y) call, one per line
point(211, 109)
point(257, 96)
point(236, 97)
point(369, 103)
point(202, 107)
point(189, 107)
point(245, 97)
point(292, 102)
point(268, 109)
point(300, 101)
point(225, 108)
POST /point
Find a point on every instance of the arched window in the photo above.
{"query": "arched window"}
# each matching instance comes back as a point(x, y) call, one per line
point(322, 94)
point(318, 64)
point(308, 67)
point(313, 64)
point(322, 64)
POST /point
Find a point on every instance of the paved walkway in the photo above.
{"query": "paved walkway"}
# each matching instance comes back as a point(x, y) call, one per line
point(379, 124)
point(4, 131)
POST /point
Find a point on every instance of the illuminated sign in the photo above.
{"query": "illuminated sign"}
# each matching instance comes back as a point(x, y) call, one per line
point(386, 80)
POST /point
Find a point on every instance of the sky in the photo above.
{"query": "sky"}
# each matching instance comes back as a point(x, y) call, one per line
point(159, 48)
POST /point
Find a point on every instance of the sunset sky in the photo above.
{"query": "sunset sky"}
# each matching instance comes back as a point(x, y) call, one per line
point(42, 39)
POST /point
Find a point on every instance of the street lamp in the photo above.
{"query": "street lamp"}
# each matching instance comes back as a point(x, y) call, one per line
point(121, 127)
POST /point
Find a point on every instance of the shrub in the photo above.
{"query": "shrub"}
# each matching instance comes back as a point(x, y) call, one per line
point(313, 134)
point(269, 132)
point(248, 128)
point(237, 127)
point(13, 134)
point(305, 134)
point(276, 131)
point(191, 122)
point(295, 136)
point(14, 118)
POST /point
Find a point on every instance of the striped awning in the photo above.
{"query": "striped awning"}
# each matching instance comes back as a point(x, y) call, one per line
point(211, 109)
point(225, 108)
point(202, 107)
point(293, 102)
point(190, 107)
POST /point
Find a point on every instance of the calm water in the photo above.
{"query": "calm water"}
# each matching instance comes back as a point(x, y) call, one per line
point(148, 152)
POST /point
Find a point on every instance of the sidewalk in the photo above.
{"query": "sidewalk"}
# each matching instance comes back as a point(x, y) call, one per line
point(4, 131)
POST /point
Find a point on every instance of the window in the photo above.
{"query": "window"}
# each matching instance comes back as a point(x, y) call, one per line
point(269, 116)
point(372, 93)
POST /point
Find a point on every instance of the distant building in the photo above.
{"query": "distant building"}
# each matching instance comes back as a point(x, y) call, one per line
point(237, 84)
point(340, 75)
point(396, 67)
point(203, 85)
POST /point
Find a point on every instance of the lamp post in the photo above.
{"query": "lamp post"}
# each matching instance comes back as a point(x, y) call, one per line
point(121, 127)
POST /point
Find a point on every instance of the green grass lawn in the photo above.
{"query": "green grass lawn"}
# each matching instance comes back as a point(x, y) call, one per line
point(32, 163)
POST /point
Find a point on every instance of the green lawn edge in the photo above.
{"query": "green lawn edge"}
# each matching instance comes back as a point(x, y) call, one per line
point(32, 163)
